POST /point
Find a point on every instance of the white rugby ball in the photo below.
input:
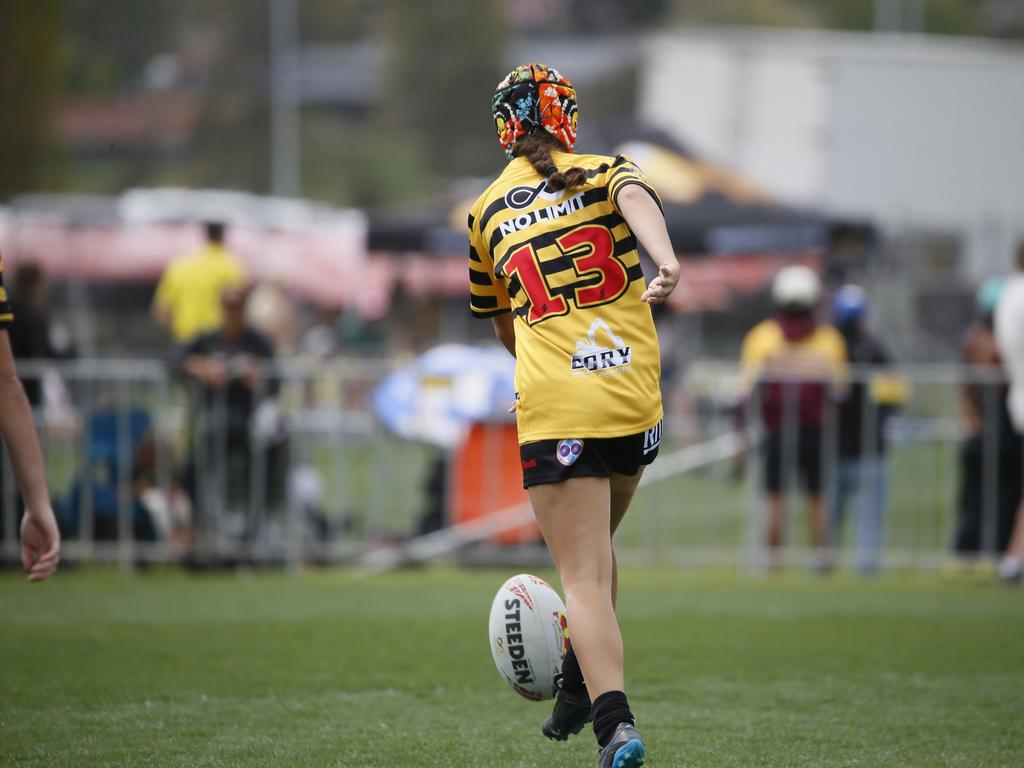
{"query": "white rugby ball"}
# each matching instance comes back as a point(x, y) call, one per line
point(529, 635)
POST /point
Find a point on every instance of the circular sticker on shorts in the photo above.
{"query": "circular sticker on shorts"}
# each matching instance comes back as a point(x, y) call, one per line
point(568, 451)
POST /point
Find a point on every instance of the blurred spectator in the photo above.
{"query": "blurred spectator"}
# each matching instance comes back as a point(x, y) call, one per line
point(30, 332)
point(319, 343)
point(1009, 329)
point(271, 311)
point(188, 296)
point(322, 340)
point(990, 436)
point(862, 474)
point(113, 447)
point(233, 421)
point(792, 363)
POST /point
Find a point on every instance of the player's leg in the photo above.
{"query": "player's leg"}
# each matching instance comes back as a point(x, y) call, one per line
point(572, 705)
point(623, 488)
point(575, 518)
point(843, 490)
point(1011, 566)
point(811, 467)
point(774, 504)
point(870, 522)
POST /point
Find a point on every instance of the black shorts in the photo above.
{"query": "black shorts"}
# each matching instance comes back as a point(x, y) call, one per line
point(806, 451)
point(552, 461)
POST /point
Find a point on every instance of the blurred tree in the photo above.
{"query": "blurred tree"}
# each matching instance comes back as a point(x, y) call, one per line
point(29, 86)
point(362, 164)
point(613, 16)
point(446, 60)
point(110, 42)
point(947, 17)
point(232, 148)
point(337, 20)
point(778, 13)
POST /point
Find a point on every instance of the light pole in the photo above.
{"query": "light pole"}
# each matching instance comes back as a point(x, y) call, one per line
point(285, 147)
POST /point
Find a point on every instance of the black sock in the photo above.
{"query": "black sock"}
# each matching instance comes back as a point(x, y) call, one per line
point(610, 709)
point(572, 675)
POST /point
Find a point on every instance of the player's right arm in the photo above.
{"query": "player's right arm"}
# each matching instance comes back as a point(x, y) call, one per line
point(639, 205)
point(40, 538)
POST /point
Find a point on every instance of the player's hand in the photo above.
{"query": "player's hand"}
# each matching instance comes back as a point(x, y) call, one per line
point(40, 543)
point(663, 284)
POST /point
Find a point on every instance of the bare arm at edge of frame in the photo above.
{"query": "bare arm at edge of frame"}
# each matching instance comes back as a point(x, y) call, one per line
point(40, 537)
point(645, 218)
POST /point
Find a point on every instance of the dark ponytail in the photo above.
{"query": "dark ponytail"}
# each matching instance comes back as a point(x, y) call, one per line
point(537, 149)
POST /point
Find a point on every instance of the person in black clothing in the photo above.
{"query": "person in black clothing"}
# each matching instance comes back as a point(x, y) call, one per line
point(991, 450)
point(862, 473)
point(30, 331)
point(228, 370)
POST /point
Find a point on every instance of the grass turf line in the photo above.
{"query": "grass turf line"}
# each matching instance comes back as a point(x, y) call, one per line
point(325, 670)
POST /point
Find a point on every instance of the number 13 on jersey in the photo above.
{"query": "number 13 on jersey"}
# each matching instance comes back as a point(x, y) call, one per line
point(591, 248)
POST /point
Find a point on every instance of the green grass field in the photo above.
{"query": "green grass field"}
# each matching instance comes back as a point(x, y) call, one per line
point(328, 670)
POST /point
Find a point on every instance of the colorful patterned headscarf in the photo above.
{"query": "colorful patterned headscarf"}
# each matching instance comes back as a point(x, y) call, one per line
point(534, 96)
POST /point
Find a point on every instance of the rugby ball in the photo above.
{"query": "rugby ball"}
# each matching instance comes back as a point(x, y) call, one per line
point(529, 635)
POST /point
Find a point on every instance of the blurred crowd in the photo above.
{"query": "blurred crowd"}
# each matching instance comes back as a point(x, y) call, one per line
point(825, 393)
point(820, 384)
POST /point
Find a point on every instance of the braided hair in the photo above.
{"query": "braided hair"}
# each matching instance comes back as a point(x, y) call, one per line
point(537, 149)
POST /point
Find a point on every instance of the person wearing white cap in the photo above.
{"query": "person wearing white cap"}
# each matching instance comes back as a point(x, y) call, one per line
point(792, 364)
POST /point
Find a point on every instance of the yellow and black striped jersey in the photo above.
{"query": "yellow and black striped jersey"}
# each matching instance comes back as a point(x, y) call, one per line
point(566, 265)
point(6, 315)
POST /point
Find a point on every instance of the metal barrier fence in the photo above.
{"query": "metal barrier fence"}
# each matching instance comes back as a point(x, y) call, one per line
point(145, 468)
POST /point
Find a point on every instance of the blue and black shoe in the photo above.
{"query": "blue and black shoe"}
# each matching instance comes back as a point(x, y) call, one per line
point(572, 711)
point(625, 750)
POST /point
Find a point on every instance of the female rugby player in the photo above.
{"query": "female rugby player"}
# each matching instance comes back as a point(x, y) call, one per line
point(553, 262)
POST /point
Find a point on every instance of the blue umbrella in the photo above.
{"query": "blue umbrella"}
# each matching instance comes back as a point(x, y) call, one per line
point(449, 387)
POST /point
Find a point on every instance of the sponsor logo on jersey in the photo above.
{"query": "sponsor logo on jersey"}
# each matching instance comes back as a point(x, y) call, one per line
point(592, 357)
point(652, 438)
point(568, 451)
point(550, 213)
point(519, 198)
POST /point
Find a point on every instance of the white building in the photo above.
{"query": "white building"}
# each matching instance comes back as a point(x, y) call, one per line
point(914, 132)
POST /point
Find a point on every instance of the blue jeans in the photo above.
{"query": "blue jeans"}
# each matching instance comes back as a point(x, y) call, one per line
point(865, 480)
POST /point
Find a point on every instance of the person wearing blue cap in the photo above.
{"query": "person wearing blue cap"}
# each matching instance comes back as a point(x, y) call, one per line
point(861, 473)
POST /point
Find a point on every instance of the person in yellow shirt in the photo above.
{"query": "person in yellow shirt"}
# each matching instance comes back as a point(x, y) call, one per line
point(188, 296)
point(553, 262)
point(793, 366)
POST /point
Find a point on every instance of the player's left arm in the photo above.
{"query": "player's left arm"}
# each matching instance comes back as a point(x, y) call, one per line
point(505, 330)
point(40, 537)
point(644, 217)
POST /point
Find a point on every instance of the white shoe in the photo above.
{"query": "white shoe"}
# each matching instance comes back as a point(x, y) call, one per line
point(1010, 569)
